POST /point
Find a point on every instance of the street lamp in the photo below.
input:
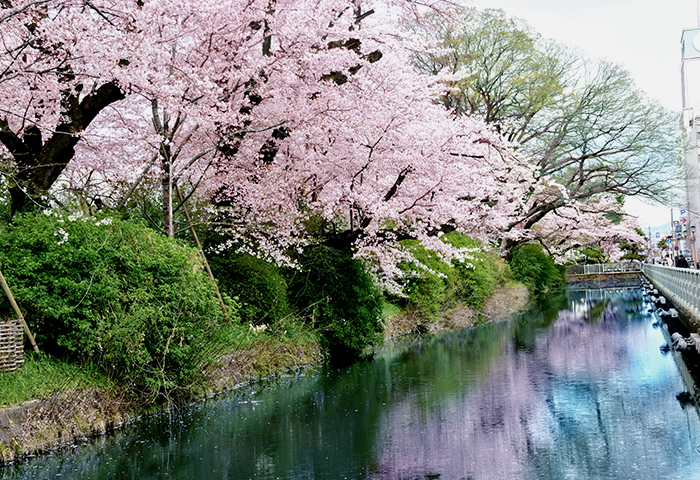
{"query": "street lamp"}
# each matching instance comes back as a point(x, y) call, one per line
point(692, 242)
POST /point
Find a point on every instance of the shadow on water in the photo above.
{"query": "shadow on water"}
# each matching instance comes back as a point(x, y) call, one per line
point(577, 388)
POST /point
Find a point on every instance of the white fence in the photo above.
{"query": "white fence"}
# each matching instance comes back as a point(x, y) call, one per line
point(605, 268)
point(680, 285)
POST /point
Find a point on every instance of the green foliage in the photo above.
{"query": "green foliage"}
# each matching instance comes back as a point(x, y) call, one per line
point(5, 207)
point(259, 286)
point(477, 278)
point(336, 293)
point(591, 255)
point(427, 290)
point(113, 293)
point(432, 291)
point(534, 268)
point(632, 252)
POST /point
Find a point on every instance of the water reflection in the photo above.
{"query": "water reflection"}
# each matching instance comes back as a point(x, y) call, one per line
point(576, 389)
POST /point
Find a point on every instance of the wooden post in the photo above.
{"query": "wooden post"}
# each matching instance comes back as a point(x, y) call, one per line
point(11, 298)
point(201, 250)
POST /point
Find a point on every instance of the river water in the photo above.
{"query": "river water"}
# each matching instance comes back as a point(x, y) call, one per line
point(580, 388)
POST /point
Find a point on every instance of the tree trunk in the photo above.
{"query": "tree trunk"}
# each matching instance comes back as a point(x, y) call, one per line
point(167, 186)
point(38, 163)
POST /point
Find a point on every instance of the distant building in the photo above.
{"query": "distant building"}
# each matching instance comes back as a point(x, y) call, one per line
point(690, 119)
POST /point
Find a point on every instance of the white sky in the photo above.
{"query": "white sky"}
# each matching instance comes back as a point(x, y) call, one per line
point(642, 35)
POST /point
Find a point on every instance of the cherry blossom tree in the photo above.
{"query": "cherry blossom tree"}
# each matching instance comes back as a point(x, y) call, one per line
point(51, 87)
point(582, 123)
point(405, 169)
point(301, 120)
point(64, 62)
point(585, 224)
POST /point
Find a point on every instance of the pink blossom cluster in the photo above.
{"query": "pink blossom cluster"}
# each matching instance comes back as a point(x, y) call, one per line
point(281, 112)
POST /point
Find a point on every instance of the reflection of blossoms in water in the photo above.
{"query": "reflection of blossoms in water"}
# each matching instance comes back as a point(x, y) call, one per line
point(584, 339)
point(578, 401)
point(581, 392)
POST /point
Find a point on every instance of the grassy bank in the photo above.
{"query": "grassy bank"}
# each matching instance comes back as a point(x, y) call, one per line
point(129, 322)
point(48, 402)
point(42, 375)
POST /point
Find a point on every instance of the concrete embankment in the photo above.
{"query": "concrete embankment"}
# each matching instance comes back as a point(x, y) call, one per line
point(603, 280)
point(63, 418)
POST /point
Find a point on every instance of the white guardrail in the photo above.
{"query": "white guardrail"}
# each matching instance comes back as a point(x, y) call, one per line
point(680, 285)
point(600, 268)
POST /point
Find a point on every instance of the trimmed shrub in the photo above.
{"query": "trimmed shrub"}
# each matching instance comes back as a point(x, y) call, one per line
point(259, 286)
point(114, 293)
point(536, 269)
point(335, 292)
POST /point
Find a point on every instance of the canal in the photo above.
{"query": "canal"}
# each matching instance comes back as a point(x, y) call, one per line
point(582, 387)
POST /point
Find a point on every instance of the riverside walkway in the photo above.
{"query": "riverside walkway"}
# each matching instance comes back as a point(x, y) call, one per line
point(680, 285)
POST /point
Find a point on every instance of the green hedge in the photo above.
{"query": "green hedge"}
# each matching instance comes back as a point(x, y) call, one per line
point(114, 293)
point(259, 286)
point(336, 294)
point(533, 267)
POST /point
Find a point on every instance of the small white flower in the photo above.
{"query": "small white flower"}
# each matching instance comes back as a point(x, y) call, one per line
point(63, 236)
point(258, 329)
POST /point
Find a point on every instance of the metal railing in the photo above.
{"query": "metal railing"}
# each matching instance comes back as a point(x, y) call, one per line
point(600, 268)
point(680, 285)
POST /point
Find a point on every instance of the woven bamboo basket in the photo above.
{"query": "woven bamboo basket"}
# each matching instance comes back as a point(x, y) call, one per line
point(11, 345)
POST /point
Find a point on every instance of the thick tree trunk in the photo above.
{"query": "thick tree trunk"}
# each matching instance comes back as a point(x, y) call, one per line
point(38, 163)
point(534, 216)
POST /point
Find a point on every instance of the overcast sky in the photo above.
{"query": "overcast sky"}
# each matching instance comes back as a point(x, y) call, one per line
point(642, 35)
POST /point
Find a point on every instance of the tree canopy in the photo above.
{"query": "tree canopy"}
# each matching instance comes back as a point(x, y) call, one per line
point(280, 114)
point(582, 123)
point(293, 122)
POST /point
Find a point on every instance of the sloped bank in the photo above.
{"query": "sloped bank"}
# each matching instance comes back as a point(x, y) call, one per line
point(506, 301)
point(69, 417)
point(148, 304)
point(72, 416)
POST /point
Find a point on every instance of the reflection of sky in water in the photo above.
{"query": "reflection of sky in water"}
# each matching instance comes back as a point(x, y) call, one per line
point(646, 367)
point(578, 393)
point(593, 399)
